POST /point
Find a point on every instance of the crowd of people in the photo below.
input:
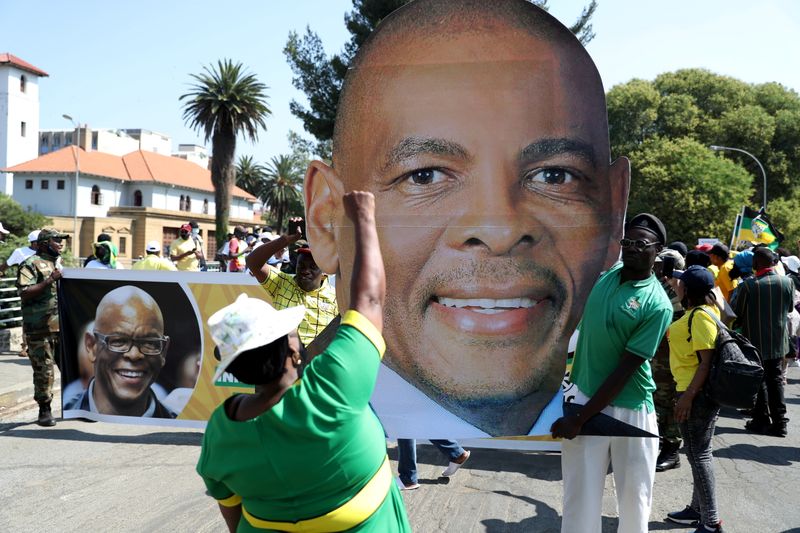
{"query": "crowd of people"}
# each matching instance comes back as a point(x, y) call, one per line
point(667, 303)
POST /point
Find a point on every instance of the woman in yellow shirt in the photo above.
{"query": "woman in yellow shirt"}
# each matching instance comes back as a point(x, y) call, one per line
point(691, 347)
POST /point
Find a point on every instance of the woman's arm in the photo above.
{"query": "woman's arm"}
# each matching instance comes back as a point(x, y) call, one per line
point(368, 282)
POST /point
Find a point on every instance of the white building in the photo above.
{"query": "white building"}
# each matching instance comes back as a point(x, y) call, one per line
point(110, 141)
point(195, 153)
point(19, 114)
point(137, 197)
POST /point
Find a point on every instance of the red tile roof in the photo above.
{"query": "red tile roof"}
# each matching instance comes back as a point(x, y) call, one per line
point(6, 58)
point(139, 166)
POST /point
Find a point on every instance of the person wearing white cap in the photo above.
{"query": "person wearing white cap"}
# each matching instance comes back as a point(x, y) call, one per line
point(153, 261)
point(3, 231)
point(304, 454)
point(21, 254)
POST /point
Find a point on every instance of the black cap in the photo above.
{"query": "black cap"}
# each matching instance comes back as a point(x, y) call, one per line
point(720, 250)
point(193, 223)
point(696, 257)
point(764, 255)
point(697, 280)
point(679, 247)
point(650, 223)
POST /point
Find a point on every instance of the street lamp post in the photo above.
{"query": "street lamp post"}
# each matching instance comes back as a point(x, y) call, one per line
point(77, 125)
point(763, 172)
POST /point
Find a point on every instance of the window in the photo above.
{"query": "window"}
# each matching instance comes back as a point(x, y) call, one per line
point(182, 204)
point(137, 198)
point(123, 245)
point(188, 203)
point(23, 128)
point(94, 140)
point(29, 184)
point(95, 195)
point(68, 138)
point(23, 83)
point(60, 185)
point(45, 184)
point(205, 206)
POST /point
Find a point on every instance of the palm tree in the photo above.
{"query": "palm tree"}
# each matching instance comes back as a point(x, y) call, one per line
point(250, 175)
point(282, 185)
point(222, 103)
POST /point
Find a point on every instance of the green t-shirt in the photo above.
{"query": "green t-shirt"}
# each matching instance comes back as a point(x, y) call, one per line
point(316, 448)
point(619, 317)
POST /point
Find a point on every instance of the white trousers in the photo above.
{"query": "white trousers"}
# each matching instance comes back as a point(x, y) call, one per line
point(584, 464)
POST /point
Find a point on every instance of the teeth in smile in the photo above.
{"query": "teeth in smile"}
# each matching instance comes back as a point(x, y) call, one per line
point(488, 306)
point(130, 373)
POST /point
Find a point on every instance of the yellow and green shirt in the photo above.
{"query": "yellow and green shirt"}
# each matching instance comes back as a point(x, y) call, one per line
point(320, 304)
point(312, 452)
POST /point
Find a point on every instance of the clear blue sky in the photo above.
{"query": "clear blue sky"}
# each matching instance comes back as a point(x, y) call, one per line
point(124, 64)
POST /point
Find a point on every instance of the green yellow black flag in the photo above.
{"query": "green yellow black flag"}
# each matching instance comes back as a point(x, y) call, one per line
point(756, 228)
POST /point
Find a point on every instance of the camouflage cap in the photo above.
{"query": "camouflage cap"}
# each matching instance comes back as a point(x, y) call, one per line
point(49, 233)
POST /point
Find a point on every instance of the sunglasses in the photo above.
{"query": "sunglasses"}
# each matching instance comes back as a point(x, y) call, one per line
point(638, 244)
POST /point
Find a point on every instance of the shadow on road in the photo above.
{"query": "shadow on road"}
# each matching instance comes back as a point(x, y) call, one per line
point(544, 466)
point(23, 361)
point(768, 455)
point(161, 437)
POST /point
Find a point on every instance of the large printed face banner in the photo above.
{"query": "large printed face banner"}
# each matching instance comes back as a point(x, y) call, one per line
point(497, 208)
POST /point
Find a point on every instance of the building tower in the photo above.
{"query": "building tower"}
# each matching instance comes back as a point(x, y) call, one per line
point(19, 115)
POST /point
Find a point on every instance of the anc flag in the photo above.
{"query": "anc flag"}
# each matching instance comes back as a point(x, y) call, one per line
point(755, 227)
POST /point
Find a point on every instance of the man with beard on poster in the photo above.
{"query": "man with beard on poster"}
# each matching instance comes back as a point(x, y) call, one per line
point(481, 129)
point(128, 349)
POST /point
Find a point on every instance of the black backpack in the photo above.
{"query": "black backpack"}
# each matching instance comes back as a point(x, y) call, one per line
point(736, 371)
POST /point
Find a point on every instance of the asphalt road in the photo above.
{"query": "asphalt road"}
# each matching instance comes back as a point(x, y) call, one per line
point(82, 476)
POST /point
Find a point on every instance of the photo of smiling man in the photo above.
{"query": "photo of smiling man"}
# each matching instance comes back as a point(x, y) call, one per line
point(128, 349)
point(481, 129)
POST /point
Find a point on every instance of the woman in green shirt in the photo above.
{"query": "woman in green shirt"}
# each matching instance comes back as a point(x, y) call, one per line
point(304, 454)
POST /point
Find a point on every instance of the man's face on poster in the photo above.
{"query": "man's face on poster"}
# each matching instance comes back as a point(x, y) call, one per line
point(496, 210)
point(128, 349)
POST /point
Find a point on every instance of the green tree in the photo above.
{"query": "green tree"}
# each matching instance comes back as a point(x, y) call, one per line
point(250, 175)
point(224, 102)
point(784, 214)
point(707, 108)
point(320, 77)
point(19, 223)
point(695, 192)
point(282, 185)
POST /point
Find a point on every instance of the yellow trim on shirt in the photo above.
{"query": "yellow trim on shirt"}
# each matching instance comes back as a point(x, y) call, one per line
point(352, 513)
point(231, 501)
point(361, 323)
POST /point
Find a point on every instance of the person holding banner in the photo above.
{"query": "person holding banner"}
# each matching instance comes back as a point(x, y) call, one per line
point(304, 453)
point(628, 314)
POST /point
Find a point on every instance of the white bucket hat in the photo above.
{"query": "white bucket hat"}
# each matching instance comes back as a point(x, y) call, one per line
point(792, 262)
point(249, 323)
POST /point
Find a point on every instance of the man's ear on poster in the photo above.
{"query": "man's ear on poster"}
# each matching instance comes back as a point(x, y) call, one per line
point(619, 177)
point(322, 192)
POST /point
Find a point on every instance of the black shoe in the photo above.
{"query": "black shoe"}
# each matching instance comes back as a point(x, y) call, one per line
point(759, 427)
point(668, 461)
point(45, 416)
point(705, 529)
point(688, 516)
point(778, 429)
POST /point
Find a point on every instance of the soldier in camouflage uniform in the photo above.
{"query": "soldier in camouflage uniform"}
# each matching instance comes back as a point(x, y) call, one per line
point(664, 395)
point(36, 282)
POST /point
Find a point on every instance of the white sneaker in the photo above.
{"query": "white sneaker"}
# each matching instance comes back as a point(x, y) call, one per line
point(452, 468)
point(793, 363)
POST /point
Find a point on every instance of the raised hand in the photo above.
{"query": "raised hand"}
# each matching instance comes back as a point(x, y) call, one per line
point(359, 205)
